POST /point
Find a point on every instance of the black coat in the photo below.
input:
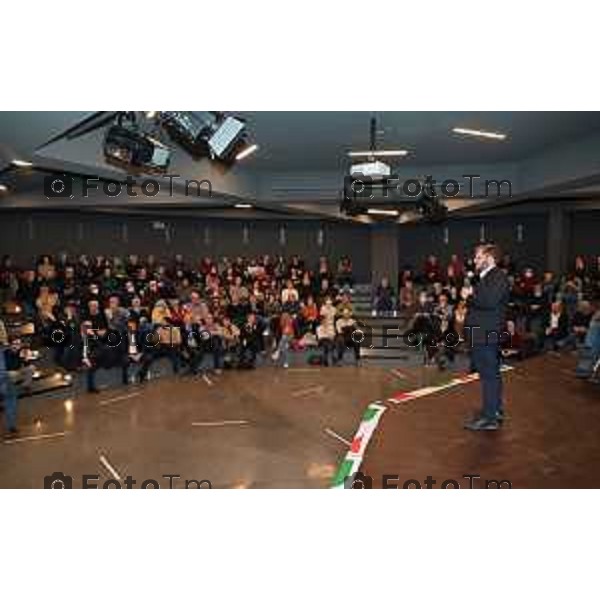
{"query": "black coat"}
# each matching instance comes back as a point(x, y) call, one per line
point(486, 311)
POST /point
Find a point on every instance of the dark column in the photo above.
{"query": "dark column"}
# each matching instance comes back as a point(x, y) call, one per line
point(385, 260)
point(557, 242)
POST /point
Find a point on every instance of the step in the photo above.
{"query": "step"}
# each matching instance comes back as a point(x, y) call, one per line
point(386, 353)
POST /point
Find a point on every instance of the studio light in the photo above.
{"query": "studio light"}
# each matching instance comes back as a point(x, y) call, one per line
point(376, 153)
point(223, 143)
point(128, 146)
point(24, 164)
point(247, 152)
point(383, 212)
point(480, 133)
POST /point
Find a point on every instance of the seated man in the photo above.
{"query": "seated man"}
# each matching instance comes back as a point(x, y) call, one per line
point(384, 300)
point(213, 341)
point(556, 327)
point(579, 326)
point(345, 327)
point(250, 337)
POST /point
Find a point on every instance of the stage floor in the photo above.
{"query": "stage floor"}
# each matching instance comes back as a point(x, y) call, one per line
point(275, 428)
point(551, 438)
point(266, 428)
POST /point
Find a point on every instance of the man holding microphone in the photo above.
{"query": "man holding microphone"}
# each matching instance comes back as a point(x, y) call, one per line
point(485, 322)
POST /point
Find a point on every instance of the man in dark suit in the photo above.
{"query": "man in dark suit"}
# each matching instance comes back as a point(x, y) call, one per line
point(486, 323)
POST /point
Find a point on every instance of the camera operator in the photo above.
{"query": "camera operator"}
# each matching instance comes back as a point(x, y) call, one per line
point(10, 363)
point(94, 330)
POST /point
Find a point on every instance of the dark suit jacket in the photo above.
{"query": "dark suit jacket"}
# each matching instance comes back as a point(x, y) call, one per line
point(486, 310)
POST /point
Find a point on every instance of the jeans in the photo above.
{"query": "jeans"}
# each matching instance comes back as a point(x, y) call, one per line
point(486, 361)
point(343, 344)
point(284, 348)
point(8, 391)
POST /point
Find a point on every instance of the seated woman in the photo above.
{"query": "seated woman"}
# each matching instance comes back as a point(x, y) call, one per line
point(165, 340)
point(231, 341)
point(422, 329)
point(326, 340)
point(287, 332)
point(408, 296)
point(309, 316)
point(384, 300)
point(328, 311)
point(458, 322)
point(290, 298)
point(47, 305)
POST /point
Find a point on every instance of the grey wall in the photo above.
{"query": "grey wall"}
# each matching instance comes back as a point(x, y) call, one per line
point(27, 234)
point(416, 242)
point(585, 234)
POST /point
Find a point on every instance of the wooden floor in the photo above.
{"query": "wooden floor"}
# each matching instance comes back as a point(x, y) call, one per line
point(550, 440)
point(276, 428)
point(268, 428)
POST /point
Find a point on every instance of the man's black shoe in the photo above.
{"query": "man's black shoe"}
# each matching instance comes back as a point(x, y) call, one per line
point(482, 424)
point(500, 417)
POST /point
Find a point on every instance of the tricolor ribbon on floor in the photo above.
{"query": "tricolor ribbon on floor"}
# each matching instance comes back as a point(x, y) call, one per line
point(402, 397)
point(350, 465)
point(353, 459)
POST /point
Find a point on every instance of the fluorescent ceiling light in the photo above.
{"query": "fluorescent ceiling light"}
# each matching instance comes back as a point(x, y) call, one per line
point(243, 205)
point(480, 133)
point(376, 153)
point(22, 163)
point(383, 211)
point(246, 152)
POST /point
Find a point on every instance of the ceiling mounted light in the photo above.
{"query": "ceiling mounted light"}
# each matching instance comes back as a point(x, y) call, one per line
point(21, 163)
point(3, 188)
point(376, 153)
point(243, 205)
point(491, 135)
point(247, 152)
point(386, 212)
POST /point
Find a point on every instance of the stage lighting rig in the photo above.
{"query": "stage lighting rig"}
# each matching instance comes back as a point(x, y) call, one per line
point(127, 145)
point(135, 138)
point(206, 133)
